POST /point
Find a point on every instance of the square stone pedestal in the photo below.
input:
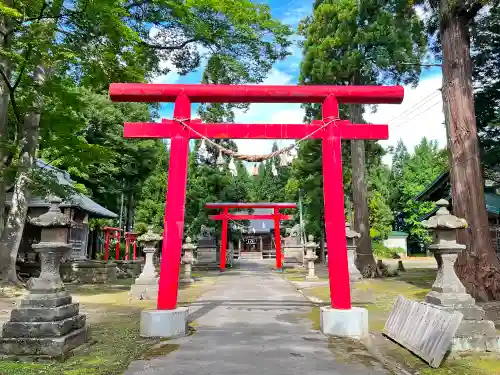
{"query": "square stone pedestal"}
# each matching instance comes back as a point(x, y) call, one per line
point(145, 289)
point(164, 323)
point(43, 326)
point(352, 323)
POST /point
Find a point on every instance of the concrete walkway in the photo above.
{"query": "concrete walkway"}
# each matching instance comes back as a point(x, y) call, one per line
point(253, 322)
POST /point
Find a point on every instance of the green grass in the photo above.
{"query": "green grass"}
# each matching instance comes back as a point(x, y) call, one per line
point(115, 341)
point(413, 284)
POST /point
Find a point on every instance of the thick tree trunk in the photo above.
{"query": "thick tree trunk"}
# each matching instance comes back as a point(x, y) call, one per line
point(5, 154)
point(478, 267)
point(364, 260)
point(13, 232)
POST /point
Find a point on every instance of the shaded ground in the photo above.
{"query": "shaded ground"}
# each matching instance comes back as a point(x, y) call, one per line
point(114, 321)
point(378, 297)
point(256, 323)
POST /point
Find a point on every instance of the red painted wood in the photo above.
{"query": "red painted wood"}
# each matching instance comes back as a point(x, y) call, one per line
point(277, 239)
point(333, 189)
point(106, 245)
point(223, 243)
point(117, 245)
point(250, 205)
point(146, 92)
point(173, 230)
point(167, 128)
point(249, 217)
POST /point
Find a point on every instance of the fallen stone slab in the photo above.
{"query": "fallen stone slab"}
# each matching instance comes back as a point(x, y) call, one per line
point(423, 329)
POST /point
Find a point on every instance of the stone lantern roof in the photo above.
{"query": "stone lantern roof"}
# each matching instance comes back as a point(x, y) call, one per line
point(150, 236)
point(53, 218)
point(350, 233)
point(443, 219)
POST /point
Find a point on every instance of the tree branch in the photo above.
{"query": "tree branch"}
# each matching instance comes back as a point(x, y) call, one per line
point(23, 67)
point(170, 48)
point(11, 95)
point(473, 10)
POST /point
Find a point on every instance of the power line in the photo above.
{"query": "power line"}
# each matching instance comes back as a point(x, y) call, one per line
point(416, 106)
point(419, 113)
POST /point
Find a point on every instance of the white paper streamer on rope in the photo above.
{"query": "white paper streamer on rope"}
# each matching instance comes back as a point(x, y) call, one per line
point(232, 168)
point(274, 171)
point(284, 159)
point(255, 170)
point(220, 161)
point(202, 150)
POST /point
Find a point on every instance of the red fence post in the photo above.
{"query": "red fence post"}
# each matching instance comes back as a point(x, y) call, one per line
point(118, 236)
point(106, 244)
point(333, 189)
point(223, 244)
point(277, 239)
point(173, 229)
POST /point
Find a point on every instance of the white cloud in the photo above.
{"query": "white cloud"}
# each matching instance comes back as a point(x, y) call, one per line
point(265, 113)
point(420, 115)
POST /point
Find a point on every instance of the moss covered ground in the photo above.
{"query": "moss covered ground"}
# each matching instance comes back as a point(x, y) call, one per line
point(378, 296)
point(113, 318)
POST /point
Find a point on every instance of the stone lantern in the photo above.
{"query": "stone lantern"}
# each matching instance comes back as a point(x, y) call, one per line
point(448, 293)
point(351, 235)
point(311, 256)
point(46, 324)
point(187, 261)
point(146, 285)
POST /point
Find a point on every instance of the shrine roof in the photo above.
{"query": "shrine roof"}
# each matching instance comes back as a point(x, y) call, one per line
point(78, 200)
point(251, 205)
point(440, 189)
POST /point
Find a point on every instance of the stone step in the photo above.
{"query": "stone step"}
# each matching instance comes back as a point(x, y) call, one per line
point(45, 347)
point(250, 255)
point(43, 329)
point(46, 314)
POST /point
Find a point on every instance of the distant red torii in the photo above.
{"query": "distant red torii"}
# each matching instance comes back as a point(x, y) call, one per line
point(225, 216)
point(330, 130)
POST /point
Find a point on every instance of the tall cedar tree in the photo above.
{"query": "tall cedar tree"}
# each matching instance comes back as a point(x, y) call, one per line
point(359, 42)
point(451, 20)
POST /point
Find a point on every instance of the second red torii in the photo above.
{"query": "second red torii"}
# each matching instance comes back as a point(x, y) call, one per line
point(225, 216)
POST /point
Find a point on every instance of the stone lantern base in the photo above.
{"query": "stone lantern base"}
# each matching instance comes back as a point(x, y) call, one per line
point(145, 288)
point(475, 333)
point(43, 326)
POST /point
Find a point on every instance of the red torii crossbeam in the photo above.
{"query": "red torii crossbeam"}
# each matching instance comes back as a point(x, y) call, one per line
point(225, 216)
point(331, 137)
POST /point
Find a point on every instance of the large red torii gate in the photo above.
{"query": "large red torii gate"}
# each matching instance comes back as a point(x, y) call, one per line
point(225, 216)
point(182, 128)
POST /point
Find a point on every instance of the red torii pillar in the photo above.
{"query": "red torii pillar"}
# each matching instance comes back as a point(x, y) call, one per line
point(276, 216)
point(111, 233)
point(131, 239)
point(182, 128)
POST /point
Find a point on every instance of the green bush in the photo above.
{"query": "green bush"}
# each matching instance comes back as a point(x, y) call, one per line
point(381, 251)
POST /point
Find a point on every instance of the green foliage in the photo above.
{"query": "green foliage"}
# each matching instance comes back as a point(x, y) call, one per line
point(151, 200)
point(486, 75)
point(380, 216)
point(354, 42)
point(409, 179)
point(381, 251)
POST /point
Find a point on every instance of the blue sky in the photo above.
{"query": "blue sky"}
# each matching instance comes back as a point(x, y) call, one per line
point(419, 115)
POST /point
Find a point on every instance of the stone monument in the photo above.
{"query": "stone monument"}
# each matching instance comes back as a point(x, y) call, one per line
point(351, 235)
point(47, 324)
point(146, 285)
point(293, 247)
point(187, 261)
point(206, 254)
point(475, 333)
point(311, 256)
